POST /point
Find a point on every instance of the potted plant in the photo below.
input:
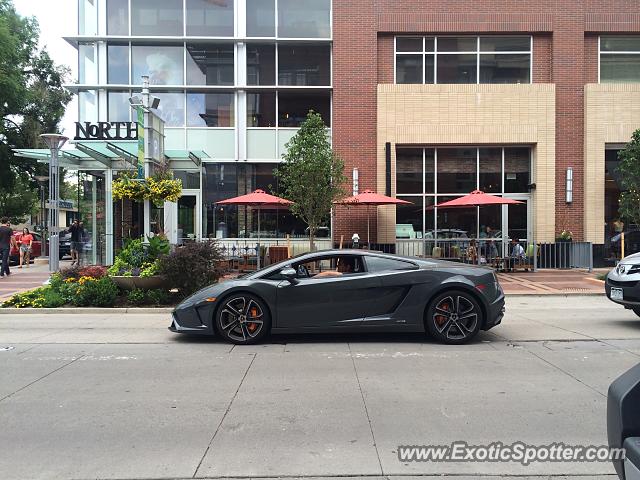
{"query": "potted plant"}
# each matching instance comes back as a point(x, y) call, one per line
point(138, 264)
point(158, 188)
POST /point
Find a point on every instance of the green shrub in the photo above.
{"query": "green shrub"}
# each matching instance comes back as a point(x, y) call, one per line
point(192, 267)
point(136, 296)
point(29, 299)
point(52, 299)
point(96, 293)
point(157, 296)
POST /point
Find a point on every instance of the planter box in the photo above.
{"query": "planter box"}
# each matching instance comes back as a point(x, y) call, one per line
point(143, 283)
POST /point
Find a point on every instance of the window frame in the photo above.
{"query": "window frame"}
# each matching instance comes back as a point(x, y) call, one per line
point(478, 52)
point(614, 52)
point(410, 265)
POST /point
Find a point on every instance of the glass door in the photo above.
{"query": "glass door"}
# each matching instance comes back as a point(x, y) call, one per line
point(188, 218)
point(517, 224)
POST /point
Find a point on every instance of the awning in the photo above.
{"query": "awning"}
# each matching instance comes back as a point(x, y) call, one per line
point(118, 155)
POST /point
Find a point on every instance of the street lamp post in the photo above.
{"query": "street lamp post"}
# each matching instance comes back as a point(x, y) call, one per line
point(54, 141)
point(42, 179)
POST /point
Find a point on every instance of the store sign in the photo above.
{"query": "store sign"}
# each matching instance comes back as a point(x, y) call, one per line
point(106, 131)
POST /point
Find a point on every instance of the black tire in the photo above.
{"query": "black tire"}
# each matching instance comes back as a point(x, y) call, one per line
point(454, 317)
point(636, 310)
point(233, 319)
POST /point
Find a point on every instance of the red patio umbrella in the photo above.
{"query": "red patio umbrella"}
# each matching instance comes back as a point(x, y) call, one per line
point(369, 197)
point(259, 199)
point(477, 198)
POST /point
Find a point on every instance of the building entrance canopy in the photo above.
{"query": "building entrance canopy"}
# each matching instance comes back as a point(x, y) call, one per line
point(116, 155)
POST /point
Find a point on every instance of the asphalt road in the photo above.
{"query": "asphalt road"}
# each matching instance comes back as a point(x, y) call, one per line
point(106, 396)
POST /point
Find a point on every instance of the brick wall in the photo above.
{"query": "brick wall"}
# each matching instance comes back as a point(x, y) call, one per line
point(564, 54)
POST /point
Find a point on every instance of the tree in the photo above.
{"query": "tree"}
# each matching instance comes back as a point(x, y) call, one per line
point(32, 101)
point(629, 170)
point(311, 175)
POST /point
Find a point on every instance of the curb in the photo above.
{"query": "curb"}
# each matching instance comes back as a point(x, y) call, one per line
point(85, 310)
point(554, 294)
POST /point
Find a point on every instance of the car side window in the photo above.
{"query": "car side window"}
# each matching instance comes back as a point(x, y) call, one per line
point(330, 266)
point(382, 264)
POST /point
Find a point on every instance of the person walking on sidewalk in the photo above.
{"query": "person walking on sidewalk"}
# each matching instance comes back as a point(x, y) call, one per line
point(26, 244)
point(6, 242)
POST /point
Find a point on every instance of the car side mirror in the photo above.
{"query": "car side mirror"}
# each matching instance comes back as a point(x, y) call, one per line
point(290, 274)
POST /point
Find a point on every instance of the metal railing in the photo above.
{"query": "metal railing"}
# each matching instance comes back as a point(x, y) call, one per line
point(244, 250)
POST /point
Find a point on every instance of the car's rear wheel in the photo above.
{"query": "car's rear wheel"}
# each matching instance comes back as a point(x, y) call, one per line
point(243, 319)
point(454, 317)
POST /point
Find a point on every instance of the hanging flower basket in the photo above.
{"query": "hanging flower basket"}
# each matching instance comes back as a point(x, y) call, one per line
point(156, 189)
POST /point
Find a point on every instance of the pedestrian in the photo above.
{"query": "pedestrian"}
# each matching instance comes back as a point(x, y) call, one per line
point(83, 242)
point(74, 229)
point(26, 245)
point(7, 241)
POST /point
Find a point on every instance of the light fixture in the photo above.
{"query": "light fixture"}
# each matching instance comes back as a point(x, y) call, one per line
point(569, 186)
point(356, 185)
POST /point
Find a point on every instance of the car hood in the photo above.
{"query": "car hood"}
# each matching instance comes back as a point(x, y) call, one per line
point(631, 259)
point(214, 290)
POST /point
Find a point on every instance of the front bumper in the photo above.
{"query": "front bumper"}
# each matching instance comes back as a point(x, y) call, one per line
point(630, 291)
point(197, 320)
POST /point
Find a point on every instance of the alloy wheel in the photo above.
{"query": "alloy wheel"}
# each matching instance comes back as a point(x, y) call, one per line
point(241, 318)
point(455, 317)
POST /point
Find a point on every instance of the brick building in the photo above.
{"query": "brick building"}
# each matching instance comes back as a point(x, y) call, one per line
point(459, 95)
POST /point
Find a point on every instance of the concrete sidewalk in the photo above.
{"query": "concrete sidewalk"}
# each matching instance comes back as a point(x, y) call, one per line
point(552, 282)
point(22, 279)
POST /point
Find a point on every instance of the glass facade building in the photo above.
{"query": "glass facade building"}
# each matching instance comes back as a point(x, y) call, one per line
point(235, 79)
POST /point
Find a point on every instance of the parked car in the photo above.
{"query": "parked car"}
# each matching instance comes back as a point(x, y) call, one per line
point(623, 422)
point(36, 247)
point(346, 291)
point(622, 284)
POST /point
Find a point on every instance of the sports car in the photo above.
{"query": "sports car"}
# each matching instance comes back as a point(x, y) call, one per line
point(347, 291)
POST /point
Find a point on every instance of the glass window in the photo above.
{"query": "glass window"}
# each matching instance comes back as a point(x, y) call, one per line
point(119, 108)
point(505, 44)
point(87, 17)
point(619, 68)
point(154, 18)
point(502, 59)
point(409, 170)
point(210, 109)
point(171, 108)
point(429, 170)
point(457, 44)
point(304, 18)
point(456, 170)
point(505, 68)
point(210, 64)
point(620, 44)
point(409, 218)
point(409, 68)
point(261, 18)
point(409, 44)
point(87, 63)
point(293, 107)
point(261, 64)
point(207, 18)
point(261, 109)
point(381, 264)
point(517, 163)
point(88, 106)
point(163, 64)
point(304, 65)
point(118, 64)
point(117, 17)
point(491, 170)
point(490, 222)
point(457, 68)
point(190, 179)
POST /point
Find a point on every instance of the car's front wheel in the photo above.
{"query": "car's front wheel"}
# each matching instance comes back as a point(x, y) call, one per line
point(243, 319)
point(454, 317)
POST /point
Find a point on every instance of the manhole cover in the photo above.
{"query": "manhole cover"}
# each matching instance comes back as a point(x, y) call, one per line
point(6, 349)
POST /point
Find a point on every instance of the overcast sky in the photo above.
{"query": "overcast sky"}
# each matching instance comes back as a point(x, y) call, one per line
point(57, 18)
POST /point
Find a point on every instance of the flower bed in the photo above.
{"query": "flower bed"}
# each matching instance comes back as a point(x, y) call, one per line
point(142, 274)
